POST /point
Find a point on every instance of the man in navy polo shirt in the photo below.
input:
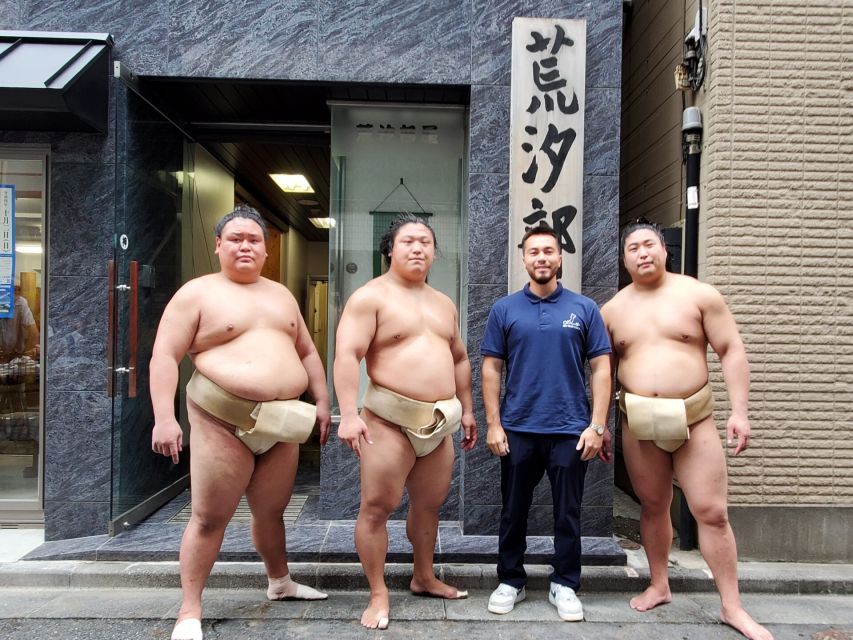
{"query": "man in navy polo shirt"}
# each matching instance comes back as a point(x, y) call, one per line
point(545, 334)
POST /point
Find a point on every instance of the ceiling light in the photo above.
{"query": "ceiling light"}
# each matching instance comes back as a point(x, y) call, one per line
point(323, 223)
point(28, 247)
point(292, 183)
point(308, 203)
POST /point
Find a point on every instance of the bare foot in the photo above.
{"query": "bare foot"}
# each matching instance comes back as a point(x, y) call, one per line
point(435, 588)
point(741, 621)
point(377, 612)
point(650, 598)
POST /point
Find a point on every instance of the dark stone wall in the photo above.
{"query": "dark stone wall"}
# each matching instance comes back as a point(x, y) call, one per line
point(442, 41)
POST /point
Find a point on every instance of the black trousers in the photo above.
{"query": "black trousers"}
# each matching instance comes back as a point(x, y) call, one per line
point(530, 456)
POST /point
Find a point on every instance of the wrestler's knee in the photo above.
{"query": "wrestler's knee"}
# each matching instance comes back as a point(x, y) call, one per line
point(209, 520)
point(711, 515)
point(655, 505)
point(376, 511)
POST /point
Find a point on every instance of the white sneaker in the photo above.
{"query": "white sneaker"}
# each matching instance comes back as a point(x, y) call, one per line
point(503, 598)
point(568, 606)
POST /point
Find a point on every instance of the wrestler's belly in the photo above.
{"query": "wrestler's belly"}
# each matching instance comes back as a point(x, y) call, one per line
point(664, 375)
point(264, 366)
point(422, 370)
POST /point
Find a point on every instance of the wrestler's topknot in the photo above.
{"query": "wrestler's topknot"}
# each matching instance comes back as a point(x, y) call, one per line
point(242, 210)
point(636, 225)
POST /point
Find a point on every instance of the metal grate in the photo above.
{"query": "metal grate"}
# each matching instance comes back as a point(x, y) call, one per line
point(242, 514)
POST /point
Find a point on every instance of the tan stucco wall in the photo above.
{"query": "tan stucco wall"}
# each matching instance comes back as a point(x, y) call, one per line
point(779, 118)
point(775, 237)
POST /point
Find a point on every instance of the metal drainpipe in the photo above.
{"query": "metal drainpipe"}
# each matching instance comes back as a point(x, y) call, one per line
point(691, 131)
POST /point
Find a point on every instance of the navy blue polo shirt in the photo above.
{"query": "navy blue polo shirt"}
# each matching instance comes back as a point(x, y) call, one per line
point(545, 343)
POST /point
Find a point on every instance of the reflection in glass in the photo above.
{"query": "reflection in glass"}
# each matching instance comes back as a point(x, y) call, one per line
point(20, 336)
point(385, 160)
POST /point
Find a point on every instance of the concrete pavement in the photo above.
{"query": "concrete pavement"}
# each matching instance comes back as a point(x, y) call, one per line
point(80, 614)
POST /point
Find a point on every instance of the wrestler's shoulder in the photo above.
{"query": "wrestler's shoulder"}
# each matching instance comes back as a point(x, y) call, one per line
point(700, 291)
point(442, 298)
point(199, 287)
point(370, 294)
point(615, 303)
point(276, 287)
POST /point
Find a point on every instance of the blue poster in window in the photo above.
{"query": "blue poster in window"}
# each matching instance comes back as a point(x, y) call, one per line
point(7, 250)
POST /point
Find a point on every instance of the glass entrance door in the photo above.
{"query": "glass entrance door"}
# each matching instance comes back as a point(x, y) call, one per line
point(143, 275)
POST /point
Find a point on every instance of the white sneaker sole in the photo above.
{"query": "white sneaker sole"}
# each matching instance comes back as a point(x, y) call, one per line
point(501, 610)
point(568, 617)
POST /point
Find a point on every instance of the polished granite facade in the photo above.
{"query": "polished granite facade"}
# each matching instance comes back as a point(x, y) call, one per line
point(464, 42)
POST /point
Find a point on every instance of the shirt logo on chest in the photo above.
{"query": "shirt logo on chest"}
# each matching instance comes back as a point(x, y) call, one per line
point(572, 323)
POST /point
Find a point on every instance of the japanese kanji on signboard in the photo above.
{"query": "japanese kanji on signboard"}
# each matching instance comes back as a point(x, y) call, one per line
point(546, 139)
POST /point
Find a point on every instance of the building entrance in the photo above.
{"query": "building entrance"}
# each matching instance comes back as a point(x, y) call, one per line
point(317, 160)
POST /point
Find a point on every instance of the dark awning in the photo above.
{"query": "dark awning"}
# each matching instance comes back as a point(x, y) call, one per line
point(54, 81)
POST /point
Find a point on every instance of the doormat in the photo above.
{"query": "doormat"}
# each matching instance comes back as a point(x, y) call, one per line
point(242, 514)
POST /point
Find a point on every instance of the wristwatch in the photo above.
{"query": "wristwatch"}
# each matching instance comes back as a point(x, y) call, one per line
point(598, 428)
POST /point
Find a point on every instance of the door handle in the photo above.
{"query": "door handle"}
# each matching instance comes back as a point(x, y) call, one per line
point(133, 328)
point(132, 288)
point(111, 321)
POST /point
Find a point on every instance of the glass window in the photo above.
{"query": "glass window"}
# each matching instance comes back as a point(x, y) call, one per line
point(22, 211)
point(388, 159)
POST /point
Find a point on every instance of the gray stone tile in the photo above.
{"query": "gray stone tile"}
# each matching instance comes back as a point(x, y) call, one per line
point(482, 473)
point(601, 132)
point(491, 41)
point(81, 219)
point(489, 148)
point(597, 521)
point(78, 448)
point(339, 543)
point(10, 14)
point(456, 547)
point(260, 39)
point(140, 29)
point(68, 147)
point(157, 542)
point(598, 486)
point(82, 548)
point(76, 347)
point(395, 41)
point(488, 210)
point(340, 481)
point(480, 301)
point(67, 519)
point(600, 231)
point(601, 295)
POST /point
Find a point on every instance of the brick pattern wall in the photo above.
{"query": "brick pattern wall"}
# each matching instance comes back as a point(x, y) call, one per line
point(778, 222)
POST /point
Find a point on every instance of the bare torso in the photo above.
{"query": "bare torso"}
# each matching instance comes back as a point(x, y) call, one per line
point(410, 352)
point(659, 338)
point(245, 339)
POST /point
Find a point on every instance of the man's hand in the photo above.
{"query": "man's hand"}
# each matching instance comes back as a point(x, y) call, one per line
point(738, 427)
point(606, 440)
point(469, 429)
point(167, 439)
point(351, 431)
point(496, 440)
point(324, 419)
point(591, 443)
